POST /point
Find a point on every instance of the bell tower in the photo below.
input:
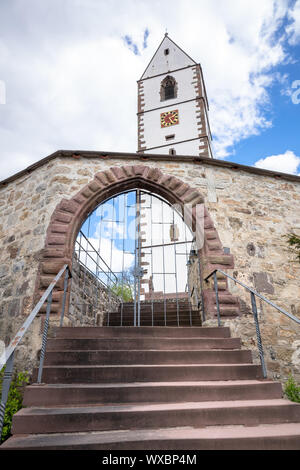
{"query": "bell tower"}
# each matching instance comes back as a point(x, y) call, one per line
point(172, 105)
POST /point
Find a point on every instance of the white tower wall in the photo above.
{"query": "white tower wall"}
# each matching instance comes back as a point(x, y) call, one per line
point(190, 135)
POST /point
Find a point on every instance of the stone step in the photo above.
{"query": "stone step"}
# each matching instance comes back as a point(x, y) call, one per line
point(223, 259)
point(225, 310)
point(148, 373)
point(196, 414)
point(155, 322)
point(161, 311)
point(183, 311)
point(184, 320)
point(216, 247)
point(211, 234)
point(158, 315)
point(226, 299)
point(263, 437)
point(90, 394)
point(158, 308)
point(100, 357)
point(137, 342)
point(121, 332)
point(158, 303)
point(222, 285)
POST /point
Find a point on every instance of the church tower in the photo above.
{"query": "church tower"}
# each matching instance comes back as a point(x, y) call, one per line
point(172, 105)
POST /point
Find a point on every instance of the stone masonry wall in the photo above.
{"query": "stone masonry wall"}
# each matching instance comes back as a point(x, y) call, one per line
point(89, 299)
point(280, 335)
point(251, 213)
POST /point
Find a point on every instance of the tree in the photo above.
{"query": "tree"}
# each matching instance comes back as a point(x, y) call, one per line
point(123, 291)
point(124, 286)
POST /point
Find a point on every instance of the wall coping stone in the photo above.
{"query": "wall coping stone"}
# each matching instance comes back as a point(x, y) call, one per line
point(155, 157)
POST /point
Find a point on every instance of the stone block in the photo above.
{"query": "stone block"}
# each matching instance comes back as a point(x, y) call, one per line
point(56, 240)
point(68, 206)
point(52, 267)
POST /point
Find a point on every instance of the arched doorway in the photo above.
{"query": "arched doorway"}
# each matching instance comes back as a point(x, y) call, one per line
point(131, 264)
point(70, 214)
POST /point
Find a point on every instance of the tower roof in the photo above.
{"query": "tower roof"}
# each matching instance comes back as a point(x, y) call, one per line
point(167, 57)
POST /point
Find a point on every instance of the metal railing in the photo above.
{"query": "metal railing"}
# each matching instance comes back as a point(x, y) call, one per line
point(253, 293)
point(93, 265)
point(7, 358)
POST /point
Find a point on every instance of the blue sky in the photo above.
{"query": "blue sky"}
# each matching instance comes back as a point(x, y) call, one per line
point(136, 48)
point(284, 132)
point(115, 241)
point(68, 69)
point(113, 221)
point(110, 232)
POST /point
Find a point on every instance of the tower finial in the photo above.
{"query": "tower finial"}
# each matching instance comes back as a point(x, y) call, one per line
point(166, 33)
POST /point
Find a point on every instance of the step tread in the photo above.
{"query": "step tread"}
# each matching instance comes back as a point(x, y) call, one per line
point(146, 351)
point(149, 356)
point(142, 329)
point(180, 434)
point(121, 338)
point(206, 383)
point(161, 342)
point(155, 392)
point(124, 366)
point(161, 338)
point(144, 407)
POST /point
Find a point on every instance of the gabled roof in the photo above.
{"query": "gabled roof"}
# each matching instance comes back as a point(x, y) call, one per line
point(161, 63)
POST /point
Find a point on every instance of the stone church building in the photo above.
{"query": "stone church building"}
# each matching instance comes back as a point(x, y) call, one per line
point(245, 214)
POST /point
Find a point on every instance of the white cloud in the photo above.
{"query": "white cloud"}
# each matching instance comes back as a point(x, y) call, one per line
point(287, 162)
point(293, 29)
point(116, 260)
point(71, 79)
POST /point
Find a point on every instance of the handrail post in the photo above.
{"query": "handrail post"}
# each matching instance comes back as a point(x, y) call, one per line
point(64, 297)
point(108, 307)
point(44, 340)
point(201, 286)
point(217, 297)
point(5, 389)
point(259, 342)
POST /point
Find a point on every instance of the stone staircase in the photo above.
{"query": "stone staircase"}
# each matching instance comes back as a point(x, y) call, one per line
point(155, 314)
point(153, 388)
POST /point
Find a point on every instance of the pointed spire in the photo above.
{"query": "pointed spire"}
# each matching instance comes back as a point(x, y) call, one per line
point(176, 60)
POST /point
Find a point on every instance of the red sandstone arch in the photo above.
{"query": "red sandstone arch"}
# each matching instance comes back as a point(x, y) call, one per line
point(70, 214)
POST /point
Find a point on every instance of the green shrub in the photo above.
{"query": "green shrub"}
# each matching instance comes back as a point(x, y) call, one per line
point(294, 242)
point(14, 401)
point(123, 291)
point(291, 390)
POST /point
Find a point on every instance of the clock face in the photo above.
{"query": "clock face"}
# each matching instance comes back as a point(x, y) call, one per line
point(169, 118)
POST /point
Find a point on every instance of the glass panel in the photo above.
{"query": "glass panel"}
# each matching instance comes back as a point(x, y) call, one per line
point(105, 252)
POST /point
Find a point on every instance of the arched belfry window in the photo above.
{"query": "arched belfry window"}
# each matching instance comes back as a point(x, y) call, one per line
point(168, 88)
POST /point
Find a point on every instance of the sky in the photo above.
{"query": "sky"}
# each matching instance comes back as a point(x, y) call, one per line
point(107, 246)
point(68, 73)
